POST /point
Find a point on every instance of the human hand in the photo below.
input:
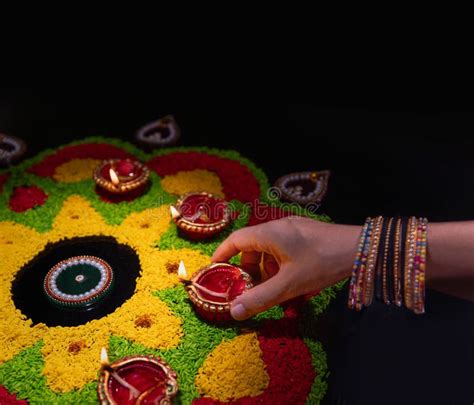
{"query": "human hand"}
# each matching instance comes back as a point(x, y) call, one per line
point(298, 255)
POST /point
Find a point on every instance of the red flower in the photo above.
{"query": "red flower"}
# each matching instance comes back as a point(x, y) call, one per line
point(48, 165)
point(238, 182)
point(27, 197)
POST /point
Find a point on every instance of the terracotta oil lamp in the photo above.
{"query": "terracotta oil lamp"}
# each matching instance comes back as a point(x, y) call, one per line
point(214, 287)
point(163, 132)
point(11, 149)
point(303, 187)
point(136, 380)
point(121, 176)
point(200, 215)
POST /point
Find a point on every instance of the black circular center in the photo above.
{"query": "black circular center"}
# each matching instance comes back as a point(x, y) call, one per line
point(27, 288)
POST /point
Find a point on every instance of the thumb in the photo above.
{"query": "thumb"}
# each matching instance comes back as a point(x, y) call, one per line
point(260, 298)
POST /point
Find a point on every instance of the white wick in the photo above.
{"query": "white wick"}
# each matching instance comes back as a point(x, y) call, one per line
point(114, 177)
point(104, 361)
point(183, 276)
point(196, 215)
point(210, 292)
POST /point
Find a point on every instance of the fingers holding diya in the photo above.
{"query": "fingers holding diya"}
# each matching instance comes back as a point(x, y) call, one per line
point(136, 380)
point(213, 288)
point(121, 176)
point(200, 215)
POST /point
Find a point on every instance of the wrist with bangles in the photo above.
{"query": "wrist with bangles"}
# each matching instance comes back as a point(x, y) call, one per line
point(390, 264)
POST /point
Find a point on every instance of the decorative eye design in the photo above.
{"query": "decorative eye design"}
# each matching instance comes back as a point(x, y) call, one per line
point(304, 187)
point(11, 149)
point(162, 132)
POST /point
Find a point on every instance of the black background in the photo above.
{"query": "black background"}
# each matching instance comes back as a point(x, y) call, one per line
point(392, 159)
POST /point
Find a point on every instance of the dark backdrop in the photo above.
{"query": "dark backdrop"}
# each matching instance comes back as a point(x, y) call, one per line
point(417, 161)
point(409, 162)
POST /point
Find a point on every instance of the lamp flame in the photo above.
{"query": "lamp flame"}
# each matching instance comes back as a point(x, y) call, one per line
point(183, 277)
point(104, 361)
point(114, 177)
point(182, 273)
point(104, 357)
point(174, 212)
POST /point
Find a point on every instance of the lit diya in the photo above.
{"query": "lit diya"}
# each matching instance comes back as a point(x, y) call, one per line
point(303, 187)
point(214, 287)
point(11, 149)
point(162, 132)
point(136, 380)
point(120, 176)
point(78, 282)
point(201, 215)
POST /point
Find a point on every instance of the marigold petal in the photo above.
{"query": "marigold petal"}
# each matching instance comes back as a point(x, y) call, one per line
point(75, 170)
point(192, 180)
point(233, 370)
point(147, 320)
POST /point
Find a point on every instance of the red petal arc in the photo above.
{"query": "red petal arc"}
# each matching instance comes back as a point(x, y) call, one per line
point(48, 165)
point(232, 173)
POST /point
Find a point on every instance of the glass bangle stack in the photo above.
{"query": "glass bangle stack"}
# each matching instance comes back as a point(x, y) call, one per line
point(390, 263)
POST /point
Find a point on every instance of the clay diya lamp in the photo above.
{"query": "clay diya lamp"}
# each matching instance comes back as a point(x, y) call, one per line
point(163, 132)
point(304, 187)
point(136, 380)
point(214, 287)
point(200, 215)
point(11, 149)
point(122, 176)
point(79, 282)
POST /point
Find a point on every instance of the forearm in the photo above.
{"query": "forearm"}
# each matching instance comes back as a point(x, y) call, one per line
point(450, 258)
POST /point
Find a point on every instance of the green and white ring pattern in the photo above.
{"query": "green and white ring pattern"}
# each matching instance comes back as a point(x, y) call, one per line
point(78, 281)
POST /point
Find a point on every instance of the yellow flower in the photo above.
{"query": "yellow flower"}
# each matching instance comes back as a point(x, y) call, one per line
point(233, 370)
point(71, 354)
point(75, 170)
point(193, 180)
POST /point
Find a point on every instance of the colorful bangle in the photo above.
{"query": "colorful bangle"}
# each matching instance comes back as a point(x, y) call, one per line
point(385, 262)
point(368, 290)
point(409, 262)
point(403, 255)
point(363, 266)
point(390, 270)
point(378, 275)
point(357, 263)
point(396, 264)
point(419, 267)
